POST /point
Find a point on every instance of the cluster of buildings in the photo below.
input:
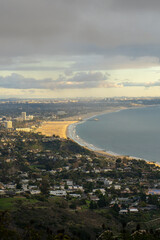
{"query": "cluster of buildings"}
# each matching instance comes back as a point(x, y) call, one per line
point(8, 123)
point(24, 117)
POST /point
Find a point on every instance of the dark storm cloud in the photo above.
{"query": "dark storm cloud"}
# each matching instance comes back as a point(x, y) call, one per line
point(76, 27)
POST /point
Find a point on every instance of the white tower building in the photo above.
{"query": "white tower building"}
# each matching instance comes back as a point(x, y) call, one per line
point(24, 116)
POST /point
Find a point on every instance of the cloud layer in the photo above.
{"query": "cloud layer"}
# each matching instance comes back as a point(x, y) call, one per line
point(78, 27)
point(83, 80)
point(79, 80)
point(79, 41)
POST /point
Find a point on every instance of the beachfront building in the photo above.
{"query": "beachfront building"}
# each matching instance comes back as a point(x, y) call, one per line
point(23, 129)
point(8, 124)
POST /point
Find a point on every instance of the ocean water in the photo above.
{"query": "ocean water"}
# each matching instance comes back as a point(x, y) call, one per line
point(132, 132)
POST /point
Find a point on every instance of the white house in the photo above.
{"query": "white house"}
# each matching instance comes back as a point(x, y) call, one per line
point(61, 193)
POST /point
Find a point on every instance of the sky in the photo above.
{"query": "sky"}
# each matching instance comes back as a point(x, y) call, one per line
point(79, 48)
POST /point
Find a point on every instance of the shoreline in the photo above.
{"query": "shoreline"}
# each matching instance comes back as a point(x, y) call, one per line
point(71, 133)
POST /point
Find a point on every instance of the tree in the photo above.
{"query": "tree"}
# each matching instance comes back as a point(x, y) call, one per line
point(101, 202)
point(118, 162)
point(153, 199)
point(88, 186)
point(92, 205)
point(116, 208)
point(19, 185)
point(44, 186)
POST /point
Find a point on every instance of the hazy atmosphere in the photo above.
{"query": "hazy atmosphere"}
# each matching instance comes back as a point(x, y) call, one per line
point(71, 48)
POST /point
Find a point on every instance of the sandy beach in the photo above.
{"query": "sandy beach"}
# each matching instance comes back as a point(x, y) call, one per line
point(58, 128)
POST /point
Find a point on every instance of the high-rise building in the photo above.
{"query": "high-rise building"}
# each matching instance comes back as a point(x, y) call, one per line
point(23, 116)
point(8, 124)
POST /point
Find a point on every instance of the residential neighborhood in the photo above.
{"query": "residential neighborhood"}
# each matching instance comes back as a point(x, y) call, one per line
point(30, 165)
point(47, 181)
